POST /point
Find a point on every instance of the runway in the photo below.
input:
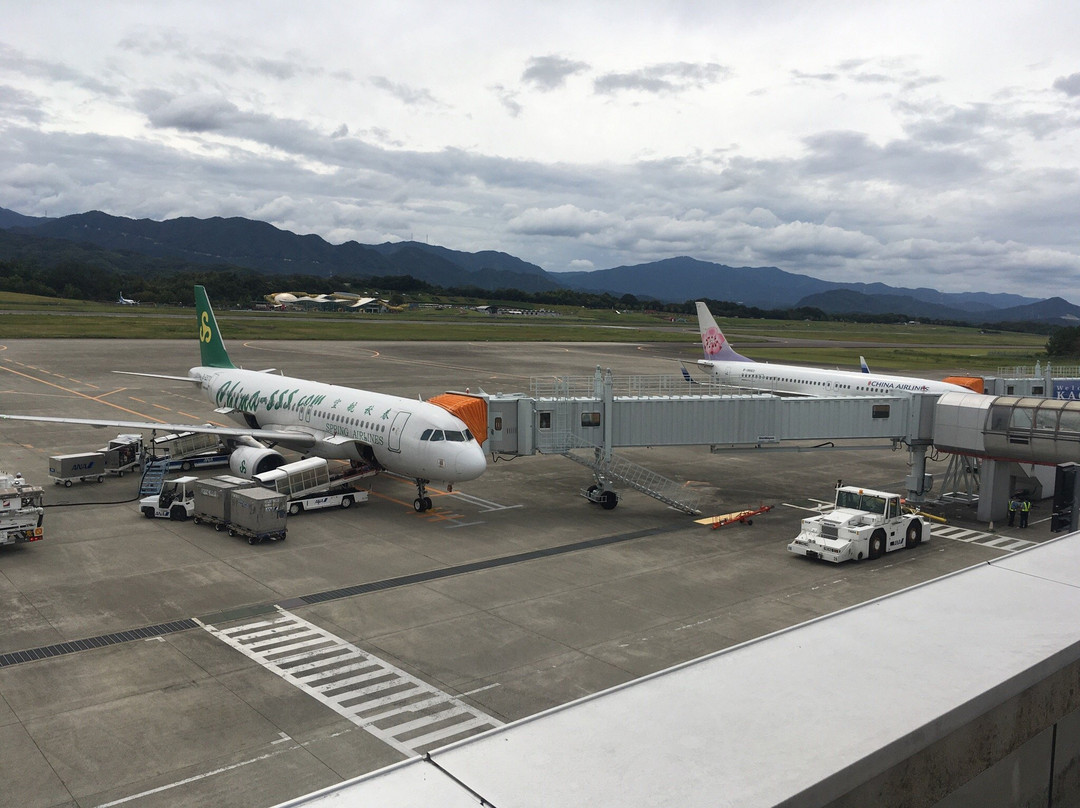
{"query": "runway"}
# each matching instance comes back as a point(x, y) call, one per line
point(512, 595)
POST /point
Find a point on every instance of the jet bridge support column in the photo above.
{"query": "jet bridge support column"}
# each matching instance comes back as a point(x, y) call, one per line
point(918, 481)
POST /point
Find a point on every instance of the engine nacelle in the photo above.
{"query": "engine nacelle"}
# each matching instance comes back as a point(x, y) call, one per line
point(247, 460)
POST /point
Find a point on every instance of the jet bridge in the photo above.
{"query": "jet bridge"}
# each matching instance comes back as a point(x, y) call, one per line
point(587, 418)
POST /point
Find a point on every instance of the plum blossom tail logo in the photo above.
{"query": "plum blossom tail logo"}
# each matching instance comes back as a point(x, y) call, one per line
point(713, 341)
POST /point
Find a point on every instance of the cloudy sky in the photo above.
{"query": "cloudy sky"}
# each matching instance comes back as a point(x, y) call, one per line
point(913, 143)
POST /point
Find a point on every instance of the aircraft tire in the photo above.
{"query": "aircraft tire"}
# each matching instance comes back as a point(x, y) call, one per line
point(427, 503)
point(418, 505)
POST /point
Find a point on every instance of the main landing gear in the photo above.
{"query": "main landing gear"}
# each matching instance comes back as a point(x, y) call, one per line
point(423, 501)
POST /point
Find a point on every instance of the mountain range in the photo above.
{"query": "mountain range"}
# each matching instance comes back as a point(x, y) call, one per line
point(262, 247)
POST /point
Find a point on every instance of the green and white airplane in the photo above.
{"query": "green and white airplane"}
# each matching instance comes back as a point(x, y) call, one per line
point(404, 436)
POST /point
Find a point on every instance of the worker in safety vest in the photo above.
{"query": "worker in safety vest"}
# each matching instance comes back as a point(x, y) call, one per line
point(1025, 509)
point(1014, 506)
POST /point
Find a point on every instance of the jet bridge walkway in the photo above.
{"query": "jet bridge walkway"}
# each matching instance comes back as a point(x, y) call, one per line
point(586, 418)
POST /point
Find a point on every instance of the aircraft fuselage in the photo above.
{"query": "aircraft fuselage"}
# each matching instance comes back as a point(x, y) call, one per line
point(405, 436)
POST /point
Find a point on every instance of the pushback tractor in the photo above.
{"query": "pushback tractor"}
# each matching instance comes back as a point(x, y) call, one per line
point(862, 524)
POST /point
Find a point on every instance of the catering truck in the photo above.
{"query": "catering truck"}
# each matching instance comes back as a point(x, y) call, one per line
point(861, 524)
point(21, 512)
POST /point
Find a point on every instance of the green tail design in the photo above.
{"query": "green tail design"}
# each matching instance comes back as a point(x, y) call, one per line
point(211, 347)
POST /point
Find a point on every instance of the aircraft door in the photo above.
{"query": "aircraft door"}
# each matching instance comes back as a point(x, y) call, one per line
point(397, 426)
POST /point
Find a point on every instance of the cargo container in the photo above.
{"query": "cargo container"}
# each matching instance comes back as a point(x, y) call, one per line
point(124, 453)
point(64, 469)
point(257, 513)
point(212, 500)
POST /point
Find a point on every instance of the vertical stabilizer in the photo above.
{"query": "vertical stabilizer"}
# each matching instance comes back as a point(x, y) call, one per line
point(716, 346)
point(211, 348)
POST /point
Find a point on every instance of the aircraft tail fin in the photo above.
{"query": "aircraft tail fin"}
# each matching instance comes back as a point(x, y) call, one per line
point(712, 338)
point(862, 364)
point(211, 348)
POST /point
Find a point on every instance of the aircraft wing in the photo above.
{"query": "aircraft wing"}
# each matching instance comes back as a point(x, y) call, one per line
point(159, 376)
point(298, 438)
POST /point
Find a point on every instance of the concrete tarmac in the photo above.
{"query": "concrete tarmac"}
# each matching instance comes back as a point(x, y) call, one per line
point(184, 718)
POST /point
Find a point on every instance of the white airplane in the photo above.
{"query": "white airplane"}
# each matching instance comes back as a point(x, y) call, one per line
point(127, 301)
point(729, 367)
point(404, 436)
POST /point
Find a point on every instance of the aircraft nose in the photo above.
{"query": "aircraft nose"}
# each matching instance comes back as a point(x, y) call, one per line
point(471, 463)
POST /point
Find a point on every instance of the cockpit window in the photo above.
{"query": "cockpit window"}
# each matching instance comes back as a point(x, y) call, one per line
point(427, 434)
point(456, 436)
point(437, 435)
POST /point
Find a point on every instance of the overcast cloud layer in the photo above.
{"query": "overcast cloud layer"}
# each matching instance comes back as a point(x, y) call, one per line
point(912, 143)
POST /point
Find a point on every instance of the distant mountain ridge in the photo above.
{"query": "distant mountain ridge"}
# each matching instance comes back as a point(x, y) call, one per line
point(265, 248)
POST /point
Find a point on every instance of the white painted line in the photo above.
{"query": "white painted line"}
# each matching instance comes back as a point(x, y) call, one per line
point(381, 684)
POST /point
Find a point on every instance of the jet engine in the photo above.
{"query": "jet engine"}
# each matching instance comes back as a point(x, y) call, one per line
point(248, 460)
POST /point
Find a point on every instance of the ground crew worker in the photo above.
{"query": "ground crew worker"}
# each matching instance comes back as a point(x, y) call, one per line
point(1025, 509)
point(1014, 506)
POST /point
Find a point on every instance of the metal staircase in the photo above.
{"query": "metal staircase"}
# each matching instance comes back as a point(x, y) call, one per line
point(153, 476)
point(622, 470)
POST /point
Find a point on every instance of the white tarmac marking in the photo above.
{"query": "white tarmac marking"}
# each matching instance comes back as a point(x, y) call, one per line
point(396, 707)
point(197, 777)
point(1008, 543)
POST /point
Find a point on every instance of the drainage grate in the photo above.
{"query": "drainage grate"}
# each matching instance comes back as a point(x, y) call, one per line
point(61, 648)
point(72, 647)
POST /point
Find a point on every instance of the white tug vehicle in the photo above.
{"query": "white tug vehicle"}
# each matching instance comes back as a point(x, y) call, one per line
point(862, 524)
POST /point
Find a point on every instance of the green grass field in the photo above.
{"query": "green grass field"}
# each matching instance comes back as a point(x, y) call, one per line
point(908, 347)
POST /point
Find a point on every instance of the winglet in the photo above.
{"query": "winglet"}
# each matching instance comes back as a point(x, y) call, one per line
point(211, 348)
point(712, 338)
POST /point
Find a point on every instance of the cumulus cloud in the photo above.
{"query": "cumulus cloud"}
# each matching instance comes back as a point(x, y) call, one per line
point(1070, 85)
point(404, 93)
point(192, 113)
point(671, 77)
point(550, 72)
point(564, 220)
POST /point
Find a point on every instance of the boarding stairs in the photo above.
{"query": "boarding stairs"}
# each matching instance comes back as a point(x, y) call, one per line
point(615, 468)
point(153, 476)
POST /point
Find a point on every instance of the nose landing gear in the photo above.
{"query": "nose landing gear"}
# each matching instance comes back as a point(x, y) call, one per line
point(423, 501)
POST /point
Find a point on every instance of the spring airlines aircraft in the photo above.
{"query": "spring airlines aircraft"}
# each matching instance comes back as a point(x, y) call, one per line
point(728, 367)
point(404, 436)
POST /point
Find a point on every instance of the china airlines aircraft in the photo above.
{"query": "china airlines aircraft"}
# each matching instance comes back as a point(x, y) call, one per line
point(729, 367)
point(127, 301)
point(404, 436)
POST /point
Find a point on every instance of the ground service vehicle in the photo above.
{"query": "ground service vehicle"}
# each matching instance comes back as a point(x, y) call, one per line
point(309, 485)
point(64, 469)
point(862, 524)
point(21, 513)
point(176, 500)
